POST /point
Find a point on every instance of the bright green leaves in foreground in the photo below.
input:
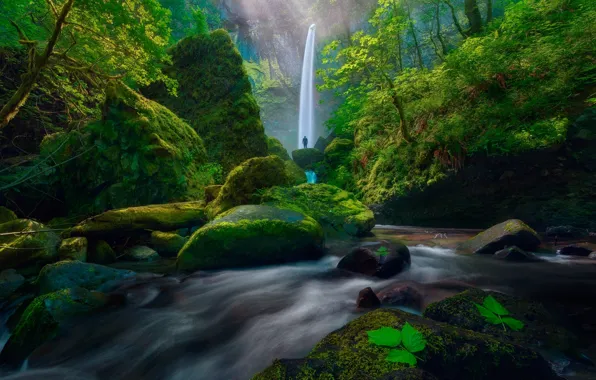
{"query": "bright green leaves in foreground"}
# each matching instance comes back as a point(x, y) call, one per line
point(405, 343)
point(383, 251)
point(496, 314)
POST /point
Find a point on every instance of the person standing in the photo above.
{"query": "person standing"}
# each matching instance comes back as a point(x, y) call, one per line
point(305, 142)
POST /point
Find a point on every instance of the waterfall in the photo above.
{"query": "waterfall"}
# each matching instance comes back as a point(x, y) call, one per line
point(311, 177)
point(307, 117)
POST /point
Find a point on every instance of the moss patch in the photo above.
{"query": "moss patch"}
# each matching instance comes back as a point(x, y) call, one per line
point(73, 249)
point(31, 244)
point(307, 158)
point(338, 211)
point(6, 215)
point(167, 244)
point(338, 151)
point(252, 236)
point(275, 147)
point(509, 233)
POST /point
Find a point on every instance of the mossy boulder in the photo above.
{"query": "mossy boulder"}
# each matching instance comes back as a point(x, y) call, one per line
point(44, 317)
point(513, 232)
point(337, 152)
point(338, 211)
point(275, 147)
point(295, 174)
point(30, 244)
point(6, 215)
point(141, 253)
point(211, 192)
point(73, 249)
point(251, 236)
point(541, 329)
point(243, 183)
point(167, 244)
point(139, 153)
point(71, 274)
point(126, 221)
point(215, 96)
point(307, 158)
point(450, 353)
point(100, 252)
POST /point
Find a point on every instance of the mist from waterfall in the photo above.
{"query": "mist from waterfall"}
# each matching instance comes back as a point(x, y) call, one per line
point(307, 116)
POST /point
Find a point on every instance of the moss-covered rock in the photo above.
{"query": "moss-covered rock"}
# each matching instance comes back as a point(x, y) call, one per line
point(215, 96)
point(211, 192)
point(510, 233)
point(450, 353)
point(246, 180)
point(123, 222)
point(6, 215)
point(100, 252)
point(167, 244)
point(73, 249)
point(141, 253)
point(275, 147)
point(307, 158)
point(43, 318)
point(71, 274)
point(251, 236)
point(338, 151)
point(139, 153)
point(338, 211)
point(295, 173)
point(540, 327)
point(29, 244)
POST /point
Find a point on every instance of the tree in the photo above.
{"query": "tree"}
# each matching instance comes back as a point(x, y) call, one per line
point(99, 40)
point(201, 26)
point(473, 15)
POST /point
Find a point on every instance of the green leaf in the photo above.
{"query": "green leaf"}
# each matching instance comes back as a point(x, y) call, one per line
point(489, 315)
point(412, 339)
point(383, 251)
point(513, 323)
point(401, 356)
point(385, 336)
point(493, 305)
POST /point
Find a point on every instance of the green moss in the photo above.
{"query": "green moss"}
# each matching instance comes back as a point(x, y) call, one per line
point(251, 236)
point(307, 158)
point(73, 249)
point(338, 151)
point(161, 217)
point(42, 318)
point(215, 96)
point(275, 147)
point(246, 180)
point(6, 215)
point(28, 243)
point(509, 233)
point(211, 192)
point(167, 244)
point(139, 153)
point(295, 173)
point(100, 252)
point(337, 210)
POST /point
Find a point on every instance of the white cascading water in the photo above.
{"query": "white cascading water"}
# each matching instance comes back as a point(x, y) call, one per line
point(307, 116)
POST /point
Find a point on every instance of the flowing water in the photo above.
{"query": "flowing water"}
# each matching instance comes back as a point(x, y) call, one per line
point(311, 177)
point(306, 121)
point(231, 324)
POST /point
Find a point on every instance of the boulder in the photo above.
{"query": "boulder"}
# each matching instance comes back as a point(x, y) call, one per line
point(323, 142)
point(568, 232)
point(73, 249)
point(275, 147)
point(10, 282)
point(132, 220)
point(28, 243)
point(252, 236)
point(338, 151)
point(540, 329)
point(211, 192)
point(573, 250)
point(295, 174)
point(100, 252)
point(367, 299)
point(244, 181)
point(141, 253)
point(167, 244)
point(44, 317)
point(451, 353)
point(395, 261)
point(306, 158)
point(408, 294)
point(516, 254)
point(510, 233)
point(71, 274)
point(138, 153)
point(215, 96)
point(338, 211)
point(6, 215)
point(360, 260)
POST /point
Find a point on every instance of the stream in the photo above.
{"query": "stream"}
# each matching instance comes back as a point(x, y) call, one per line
point(231, 324)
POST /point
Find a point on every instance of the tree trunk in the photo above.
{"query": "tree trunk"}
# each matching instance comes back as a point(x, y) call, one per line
point(439, 35)
point(29, 79)
point(473, 15)
point(403, 126)
point(489, 11)
point(415, 38)
point(455, 20)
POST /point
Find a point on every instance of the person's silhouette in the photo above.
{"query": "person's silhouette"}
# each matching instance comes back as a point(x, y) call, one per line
point(305, 142)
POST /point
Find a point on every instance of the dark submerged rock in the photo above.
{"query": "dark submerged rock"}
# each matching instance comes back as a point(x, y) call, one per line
point(573, 250)
point(367, 299)
point(100, 252)
point(360, 260)
point(70, 274)
point(516, 254)
point(510, 233)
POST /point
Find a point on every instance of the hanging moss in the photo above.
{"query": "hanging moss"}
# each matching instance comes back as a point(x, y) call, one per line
point(139, 153)
point(215, 96)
